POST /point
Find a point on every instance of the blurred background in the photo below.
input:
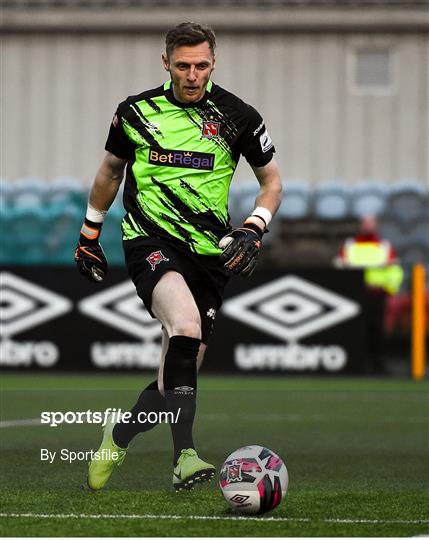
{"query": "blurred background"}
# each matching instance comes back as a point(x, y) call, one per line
point(343, 88)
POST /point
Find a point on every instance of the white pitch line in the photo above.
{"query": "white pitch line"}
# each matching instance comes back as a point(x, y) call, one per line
point(214, 518)
point(24, 422)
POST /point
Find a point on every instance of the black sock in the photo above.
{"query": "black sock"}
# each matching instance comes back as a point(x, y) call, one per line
point(180, 385)
point(150, 400)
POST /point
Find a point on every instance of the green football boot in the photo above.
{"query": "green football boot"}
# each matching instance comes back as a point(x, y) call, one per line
point(110, 456)
point(191, 470)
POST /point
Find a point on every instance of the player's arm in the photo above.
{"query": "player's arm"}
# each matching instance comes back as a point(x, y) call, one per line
point(89, 254)
point(270, 195)
point(106, 183)
point(241, 246)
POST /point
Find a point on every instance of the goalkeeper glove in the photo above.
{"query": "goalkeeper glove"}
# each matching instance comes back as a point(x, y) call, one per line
point(241, 249)
point(89, 255)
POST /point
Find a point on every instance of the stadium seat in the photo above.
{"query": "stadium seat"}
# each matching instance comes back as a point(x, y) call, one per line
point(369, 198)
point(27, 227)
point(242, 200)
point(6, 203)
point(65, 224)
point(391, 229)
point(296, 201)
point(418, 231)
point(408, 200)
point(24, 194)
point(414, 253)
point(27, 200)
point(28, 185)
point(111, 235)
point(65, 191)
point(332, 200)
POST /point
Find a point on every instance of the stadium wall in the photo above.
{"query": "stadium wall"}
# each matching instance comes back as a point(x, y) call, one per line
point(61, 90)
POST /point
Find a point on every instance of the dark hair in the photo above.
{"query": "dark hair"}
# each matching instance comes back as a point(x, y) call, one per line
point(189, 33)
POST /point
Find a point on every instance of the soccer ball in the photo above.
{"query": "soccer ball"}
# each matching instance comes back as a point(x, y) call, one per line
point(253, 480)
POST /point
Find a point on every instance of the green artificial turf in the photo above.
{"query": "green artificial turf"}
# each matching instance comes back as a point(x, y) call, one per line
point(356, 451)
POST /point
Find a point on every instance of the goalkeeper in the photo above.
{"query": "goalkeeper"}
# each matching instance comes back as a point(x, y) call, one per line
point(180, 144)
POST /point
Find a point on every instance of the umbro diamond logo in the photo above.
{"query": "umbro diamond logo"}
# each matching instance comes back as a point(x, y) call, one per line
point(239, 499)
point(25, 305)
point(121, 308)
point(290, 308)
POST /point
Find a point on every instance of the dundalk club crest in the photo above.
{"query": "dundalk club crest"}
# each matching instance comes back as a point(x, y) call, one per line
point(233, 471)
point(210, 129)
point(155, 258)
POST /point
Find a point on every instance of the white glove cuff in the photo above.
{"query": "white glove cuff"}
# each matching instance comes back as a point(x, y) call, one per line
point(97, 216)
point(263, 213)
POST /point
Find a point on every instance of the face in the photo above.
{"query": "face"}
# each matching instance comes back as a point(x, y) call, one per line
point(368, 225)
point(190, 67)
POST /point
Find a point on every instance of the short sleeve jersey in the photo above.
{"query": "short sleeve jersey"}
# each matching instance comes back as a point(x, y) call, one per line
point(181, 159)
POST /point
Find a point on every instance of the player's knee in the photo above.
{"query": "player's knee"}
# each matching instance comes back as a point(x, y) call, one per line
point(161, 385)
point(187, 327)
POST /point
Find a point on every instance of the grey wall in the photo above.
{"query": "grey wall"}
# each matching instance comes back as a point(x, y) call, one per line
point(60, 92)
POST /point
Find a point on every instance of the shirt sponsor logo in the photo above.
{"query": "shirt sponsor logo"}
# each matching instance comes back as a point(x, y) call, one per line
point(180, 158)
point(210, 130)
point(265, 141)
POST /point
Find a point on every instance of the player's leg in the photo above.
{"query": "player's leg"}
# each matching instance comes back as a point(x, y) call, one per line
point(150, 400)
point(165, 340)
point(117, 437)
point(174, 305)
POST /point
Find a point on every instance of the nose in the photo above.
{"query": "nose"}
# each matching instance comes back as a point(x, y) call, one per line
point(192, 74)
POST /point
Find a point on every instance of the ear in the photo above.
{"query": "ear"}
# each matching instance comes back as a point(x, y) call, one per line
point(165, 62)
point(214, 63)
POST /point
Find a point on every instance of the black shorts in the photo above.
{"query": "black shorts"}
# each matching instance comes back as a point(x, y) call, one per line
point(149, 258)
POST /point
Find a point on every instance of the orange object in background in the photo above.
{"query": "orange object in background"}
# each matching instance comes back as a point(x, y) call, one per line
point(418, 323)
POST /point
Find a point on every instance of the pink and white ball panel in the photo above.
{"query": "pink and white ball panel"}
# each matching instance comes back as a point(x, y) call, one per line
point(254, 480)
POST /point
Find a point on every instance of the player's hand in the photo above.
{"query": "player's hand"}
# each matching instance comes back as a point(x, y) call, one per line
point(241, 249)
point(89, 255)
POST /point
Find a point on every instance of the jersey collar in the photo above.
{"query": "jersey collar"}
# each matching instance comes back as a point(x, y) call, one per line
point(170, 96)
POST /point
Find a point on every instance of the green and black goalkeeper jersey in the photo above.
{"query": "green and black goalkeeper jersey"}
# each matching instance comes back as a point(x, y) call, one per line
point(181, 159)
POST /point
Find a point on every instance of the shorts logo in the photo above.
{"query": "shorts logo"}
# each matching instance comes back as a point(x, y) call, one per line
point(210, 130)
point(155, 258)
point(179, 158)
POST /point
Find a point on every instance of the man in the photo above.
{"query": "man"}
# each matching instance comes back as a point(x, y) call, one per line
point(382, 275)
point(180, 144)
